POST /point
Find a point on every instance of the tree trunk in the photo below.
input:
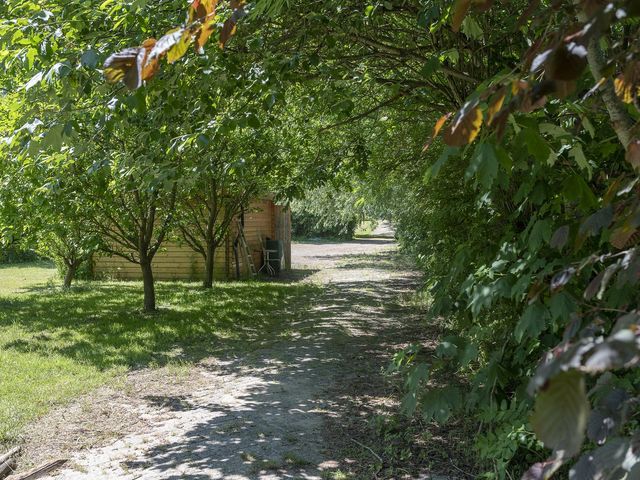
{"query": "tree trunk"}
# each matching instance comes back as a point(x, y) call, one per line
point(209, 264)
point(621, 121)
point(149, 286)
point(72, 268)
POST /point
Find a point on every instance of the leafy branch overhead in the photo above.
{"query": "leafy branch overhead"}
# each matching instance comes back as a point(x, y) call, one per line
point(552, 66)
point(138, 64)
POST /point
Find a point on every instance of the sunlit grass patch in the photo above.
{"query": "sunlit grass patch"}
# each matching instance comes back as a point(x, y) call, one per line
point(16, 277)
point(55, 345)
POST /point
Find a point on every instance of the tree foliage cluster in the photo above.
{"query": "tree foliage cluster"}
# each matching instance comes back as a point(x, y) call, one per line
point(327, 211)
point(500, 137)
point(87, 167)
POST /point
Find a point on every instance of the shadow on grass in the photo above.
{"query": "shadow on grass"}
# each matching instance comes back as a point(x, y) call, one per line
point(100, 323)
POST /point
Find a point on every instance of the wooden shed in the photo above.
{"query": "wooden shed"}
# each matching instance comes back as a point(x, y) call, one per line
point(263, 220)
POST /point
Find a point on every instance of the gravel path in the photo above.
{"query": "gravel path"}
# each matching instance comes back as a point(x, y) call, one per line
point(263, 416)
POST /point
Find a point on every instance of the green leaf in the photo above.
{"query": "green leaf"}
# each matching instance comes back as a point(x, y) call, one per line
point(417, 374)
point(437, 404)
point(253, 121)
point(561, 412)
point(540, 233)
point(53, 137)
point(561, 306)
point(576, 189)
point(532, 322)
point(536, 145)
point(596, 222)
point(89, 59)
point(506, 162)
point(178, 49)
point(36, 79)
point(345, 106)
point(484, 164)
point(560, 237)
point(602, 462)
point(578, 155)
point(433, 170)
point(447, 349)
point(409, 403)
point(471, 28)
point(430, 67)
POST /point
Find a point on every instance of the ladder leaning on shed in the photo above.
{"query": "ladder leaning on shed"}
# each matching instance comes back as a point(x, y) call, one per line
point(245, 249)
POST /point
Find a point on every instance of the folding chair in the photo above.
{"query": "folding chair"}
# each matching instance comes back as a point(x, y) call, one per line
point(267, 256)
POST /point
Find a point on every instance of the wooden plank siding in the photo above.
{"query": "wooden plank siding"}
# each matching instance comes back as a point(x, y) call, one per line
point(176, 261)
point(258, 223)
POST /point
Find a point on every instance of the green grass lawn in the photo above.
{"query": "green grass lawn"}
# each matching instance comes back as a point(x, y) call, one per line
point(16, 278)
point(55, 345)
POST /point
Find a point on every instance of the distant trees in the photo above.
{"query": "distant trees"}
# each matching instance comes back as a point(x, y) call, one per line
point(327, 211)
point(57, 216)
point(120, 157)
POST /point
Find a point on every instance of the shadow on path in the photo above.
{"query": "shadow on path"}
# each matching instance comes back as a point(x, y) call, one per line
point(276, 413)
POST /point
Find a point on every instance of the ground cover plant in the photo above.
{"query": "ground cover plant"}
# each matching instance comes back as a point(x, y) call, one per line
point(55, 345)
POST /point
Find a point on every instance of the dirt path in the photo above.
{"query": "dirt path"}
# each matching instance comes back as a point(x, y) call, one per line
point(285, 412)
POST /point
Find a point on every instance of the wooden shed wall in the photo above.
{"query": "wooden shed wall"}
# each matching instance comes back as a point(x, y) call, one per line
point(259, 222)
point(176, 261)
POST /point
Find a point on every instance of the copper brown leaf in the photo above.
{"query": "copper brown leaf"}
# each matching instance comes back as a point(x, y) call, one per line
point(149, 69)
point(198, 10)
point(230, 25)
point(203, 11)
point(465, 127)
point(495, 105)
point(125, 65)
point(436, 130)
point(460, 10)
point(621, 235)
point(633, 154)
point(567, 62)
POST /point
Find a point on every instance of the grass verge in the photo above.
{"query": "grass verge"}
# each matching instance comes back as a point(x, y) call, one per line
point(56, 345)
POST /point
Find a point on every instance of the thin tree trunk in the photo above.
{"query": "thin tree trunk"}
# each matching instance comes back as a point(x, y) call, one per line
point(621, 121)
point(70, 274)
point(209, 265)
point(148, 285)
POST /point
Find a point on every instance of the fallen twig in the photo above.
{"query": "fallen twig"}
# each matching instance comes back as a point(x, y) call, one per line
point(7, 467)
point(8, 462)
point(39, 471)
point(462, 471)
point(368, 448)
